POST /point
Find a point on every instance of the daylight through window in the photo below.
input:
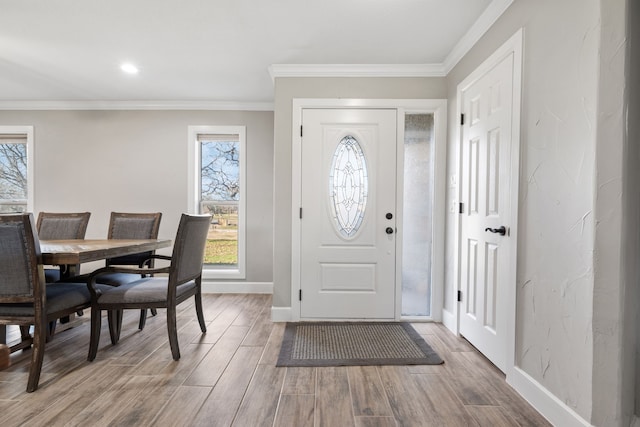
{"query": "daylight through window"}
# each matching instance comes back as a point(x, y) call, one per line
point(13, 173)
point(218, 163)
point(220, 194)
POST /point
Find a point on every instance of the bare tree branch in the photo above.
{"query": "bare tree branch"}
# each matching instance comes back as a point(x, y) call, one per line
point(13, 171)
point(220, 171)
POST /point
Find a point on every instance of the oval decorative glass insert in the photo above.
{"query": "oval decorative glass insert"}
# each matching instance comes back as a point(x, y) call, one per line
point(348, 186)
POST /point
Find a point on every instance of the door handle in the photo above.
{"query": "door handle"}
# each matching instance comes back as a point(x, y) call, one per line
point(501, 231)
point(389, 230)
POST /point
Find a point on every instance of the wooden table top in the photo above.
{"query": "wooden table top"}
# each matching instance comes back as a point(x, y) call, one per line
point(60, 252)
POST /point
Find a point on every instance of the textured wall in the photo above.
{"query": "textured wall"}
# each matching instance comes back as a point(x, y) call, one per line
point(617, 224)
point(632, 207)
point(613, 398)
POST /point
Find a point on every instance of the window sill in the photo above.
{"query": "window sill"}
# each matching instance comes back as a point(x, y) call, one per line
point(211, 273)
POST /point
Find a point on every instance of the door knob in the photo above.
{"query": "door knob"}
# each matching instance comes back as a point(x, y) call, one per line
point(389, 230)
point(501, 231)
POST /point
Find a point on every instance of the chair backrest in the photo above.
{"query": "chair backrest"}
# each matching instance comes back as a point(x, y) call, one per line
point(62, 226)
point(188, 248)
point(21, 273)
point(133, 226)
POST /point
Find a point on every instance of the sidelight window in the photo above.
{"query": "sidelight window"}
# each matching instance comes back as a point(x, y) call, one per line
point(418, 207)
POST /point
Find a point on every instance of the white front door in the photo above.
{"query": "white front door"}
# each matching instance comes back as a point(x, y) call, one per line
point(348, 219)
point(485, 249)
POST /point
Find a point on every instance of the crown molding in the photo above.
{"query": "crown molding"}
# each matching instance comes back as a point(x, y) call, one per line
point(136, 105)
point(356, 70)
point(490, 15)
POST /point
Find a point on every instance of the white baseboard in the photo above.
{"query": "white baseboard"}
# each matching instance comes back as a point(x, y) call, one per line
point(216, 287)
point(449, 321)
point(552, 408)
point(281, 314)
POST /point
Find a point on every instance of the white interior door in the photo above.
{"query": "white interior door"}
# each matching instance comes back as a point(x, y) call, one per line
point(486, 195)
point(348, 189)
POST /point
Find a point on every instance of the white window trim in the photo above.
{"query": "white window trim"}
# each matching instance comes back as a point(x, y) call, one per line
point(193, 201)
point(28, 131)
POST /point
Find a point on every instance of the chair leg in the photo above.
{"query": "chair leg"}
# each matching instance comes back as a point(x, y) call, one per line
point(200, 313)
point(173, 331)
point(120, 314)
point(143, 318)
point(24, 332)
point(96, 324)
point(5, 356)
point(51, 329)
point(115, 325)
point(37, 356)
point(25, 336)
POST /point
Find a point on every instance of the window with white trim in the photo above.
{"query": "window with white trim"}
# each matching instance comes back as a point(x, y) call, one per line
point(217, 187)
point(16, 171)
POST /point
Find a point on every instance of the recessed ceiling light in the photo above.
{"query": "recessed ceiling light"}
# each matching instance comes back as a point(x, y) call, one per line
point(129, 68)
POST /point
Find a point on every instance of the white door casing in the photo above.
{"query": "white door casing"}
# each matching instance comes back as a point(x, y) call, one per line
point(489, 152)
point(349, 274)
point(437, 107)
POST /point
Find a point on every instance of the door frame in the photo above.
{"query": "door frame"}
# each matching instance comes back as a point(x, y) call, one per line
point(452, 320)
point(437, 107)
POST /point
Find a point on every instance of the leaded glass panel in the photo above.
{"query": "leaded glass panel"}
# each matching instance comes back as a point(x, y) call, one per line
point(348, 186)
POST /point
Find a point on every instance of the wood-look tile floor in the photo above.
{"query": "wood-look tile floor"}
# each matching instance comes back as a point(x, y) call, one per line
point(227, 377)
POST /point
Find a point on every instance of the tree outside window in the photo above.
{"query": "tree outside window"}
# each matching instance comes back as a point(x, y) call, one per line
point(217, 186)
point(13, 174)
point(219, 196)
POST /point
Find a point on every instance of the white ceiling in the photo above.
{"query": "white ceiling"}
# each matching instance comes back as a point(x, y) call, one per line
point(218, 50)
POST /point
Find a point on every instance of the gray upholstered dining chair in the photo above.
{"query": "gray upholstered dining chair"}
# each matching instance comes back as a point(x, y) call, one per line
point(61, 226)
point(182, 280)
point(25, 298)
point(131, 226)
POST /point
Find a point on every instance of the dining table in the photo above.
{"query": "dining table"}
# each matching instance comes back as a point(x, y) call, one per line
point(69, 254)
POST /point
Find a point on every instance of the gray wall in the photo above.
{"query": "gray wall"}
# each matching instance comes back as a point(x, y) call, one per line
point(632, 205)
point(285, 91)
point(615, 231)
point(570, 284)
point(136, 161)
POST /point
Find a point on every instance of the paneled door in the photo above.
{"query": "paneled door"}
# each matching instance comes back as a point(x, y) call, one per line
point(486, 197)
point(348, 219)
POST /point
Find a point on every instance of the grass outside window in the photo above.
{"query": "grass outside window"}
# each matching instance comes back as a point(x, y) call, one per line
point(222, 245)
